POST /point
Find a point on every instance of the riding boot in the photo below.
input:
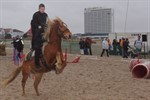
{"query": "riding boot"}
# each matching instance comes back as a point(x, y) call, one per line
point(37, 57)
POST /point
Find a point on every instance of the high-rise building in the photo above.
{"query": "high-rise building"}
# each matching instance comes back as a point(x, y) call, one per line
point(98, 20)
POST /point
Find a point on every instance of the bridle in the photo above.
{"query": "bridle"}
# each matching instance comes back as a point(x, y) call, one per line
point(60, 32)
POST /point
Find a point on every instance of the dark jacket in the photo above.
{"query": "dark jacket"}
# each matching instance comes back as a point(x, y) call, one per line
point(82, 44)
point(14, 43)
point(19, 45)
point(38, 20)
point(125, 45)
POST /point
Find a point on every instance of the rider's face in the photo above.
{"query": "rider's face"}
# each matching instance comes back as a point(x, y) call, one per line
point(42, 9)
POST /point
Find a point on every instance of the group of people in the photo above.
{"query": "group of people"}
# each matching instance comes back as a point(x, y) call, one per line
point(122, 47)
point(85, 46)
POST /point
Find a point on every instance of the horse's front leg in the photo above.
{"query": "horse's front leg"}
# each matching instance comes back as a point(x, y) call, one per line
point(60, 63)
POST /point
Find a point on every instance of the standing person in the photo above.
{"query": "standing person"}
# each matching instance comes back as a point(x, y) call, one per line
point(19, 47)
point(114, 46)
point(125, 47)
point(38, 23)
point(120, 46)
point(138, 44)
point(105, 47)
point(82, 45)
point(89, 43)
point(109, 44)
point(86, 47)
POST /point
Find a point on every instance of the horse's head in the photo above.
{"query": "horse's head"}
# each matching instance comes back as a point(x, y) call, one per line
point(58, 25)
point(62, 28)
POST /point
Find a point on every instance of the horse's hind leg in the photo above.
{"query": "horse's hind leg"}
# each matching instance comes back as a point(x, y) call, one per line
point(25, 72)
point(24, 79)
point(38, 78)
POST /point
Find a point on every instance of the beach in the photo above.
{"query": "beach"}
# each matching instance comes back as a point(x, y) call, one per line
point(92, 78)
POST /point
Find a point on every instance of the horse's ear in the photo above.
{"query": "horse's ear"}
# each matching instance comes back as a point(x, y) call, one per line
point(59, 19)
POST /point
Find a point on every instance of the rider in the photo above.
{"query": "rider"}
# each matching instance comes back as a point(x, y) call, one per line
point(38, 23)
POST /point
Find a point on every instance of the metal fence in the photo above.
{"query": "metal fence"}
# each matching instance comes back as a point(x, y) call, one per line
point(73, 47)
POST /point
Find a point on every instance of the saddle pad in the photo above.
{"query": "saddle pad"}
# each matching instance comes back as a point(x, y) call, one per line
point(29, 55)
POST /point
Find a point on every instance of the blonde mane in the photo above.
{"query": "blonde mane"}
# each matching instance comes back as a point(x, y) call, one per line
point(47, 31)
point(48, 28)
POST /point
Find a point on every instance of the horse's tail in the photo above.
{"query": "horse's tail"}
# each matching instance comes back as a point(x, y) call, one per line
point(12, 76)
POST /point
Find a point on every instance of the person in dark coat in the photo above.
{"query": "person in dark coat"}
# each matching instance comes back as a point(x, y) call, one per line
point(115, 46)
point(38, 24)
point(19, 46)
point(82, 45)
point(89, 43)
point(125, 47)
point(86, 47)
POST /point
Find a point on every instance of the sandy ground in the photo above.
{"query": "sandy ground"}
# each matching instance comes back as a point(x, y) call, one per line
point(90, 79)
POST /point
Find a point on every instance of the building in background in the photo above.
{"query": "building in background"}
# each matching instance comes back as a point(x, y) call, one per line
point(2, 33)
point(12, 32)
point(98, 20)
point(17, 32)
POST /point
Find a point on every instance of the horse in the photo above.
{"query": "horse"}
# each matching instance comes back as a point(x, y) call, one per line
point(52, 53)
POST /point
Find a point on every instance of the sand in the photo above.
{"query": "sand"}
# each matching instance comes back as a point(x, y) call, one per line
point(90, 79)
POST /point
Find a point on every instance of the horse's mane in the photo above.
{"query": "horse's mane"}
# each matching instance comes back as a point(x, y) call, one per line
point(49, 26)
point(48, 29)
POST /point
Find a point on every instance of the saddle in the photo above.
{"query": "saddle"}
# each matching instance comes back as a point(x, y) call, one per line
point(31, 54)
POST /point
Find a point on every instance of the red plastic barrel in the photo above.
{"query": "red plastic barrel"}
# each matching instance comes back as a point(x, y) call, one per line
point(141, 70)
point(135, 62)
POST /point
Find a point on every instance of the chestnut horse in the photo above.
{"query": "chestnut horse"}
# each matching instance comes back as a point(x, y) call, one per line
point(52, 53)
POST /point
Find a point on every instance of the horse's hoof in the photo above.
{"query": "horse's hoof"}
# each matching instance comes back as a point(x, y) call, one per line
point(23, 94)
